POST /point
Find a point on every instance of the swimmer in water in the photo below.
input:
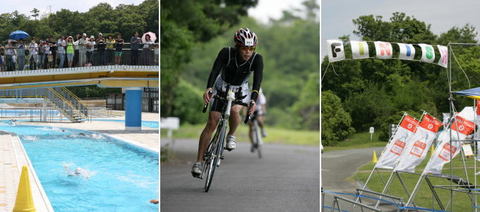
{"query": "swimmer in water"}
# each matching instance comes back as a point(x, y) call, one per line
point(77, 172)
point(12, 122)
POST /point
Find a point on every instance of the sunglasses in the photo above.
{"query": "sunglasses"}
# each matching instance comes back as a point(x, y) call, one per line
point(251, 48)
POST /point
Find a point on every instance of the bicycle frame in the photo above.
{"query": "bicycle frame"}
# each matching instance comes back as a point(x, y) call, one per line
point(214, 153)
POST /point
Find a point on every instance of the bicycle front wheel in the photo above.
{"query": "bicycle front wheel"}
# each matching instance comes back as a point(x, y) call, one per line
point(210, 170)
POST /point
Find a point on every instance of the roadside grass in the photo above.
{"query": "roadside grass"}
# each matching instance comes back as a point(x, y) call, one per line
point(424, 197)
point(274, 135)
point(356, 141)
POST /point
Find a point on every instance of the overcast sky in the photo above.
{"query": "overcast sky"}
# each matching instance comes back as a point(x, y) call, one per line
point(273, 8)
point(337, 15)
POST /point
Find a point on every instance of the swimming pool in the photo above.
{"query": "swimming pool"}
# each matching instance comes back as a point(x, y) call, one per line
point(151, 124)
point(120, 178)
point(27, 112)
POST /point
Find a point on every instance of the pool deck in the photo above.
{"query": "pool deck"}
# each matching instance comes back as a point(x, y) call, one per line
point(13, 156)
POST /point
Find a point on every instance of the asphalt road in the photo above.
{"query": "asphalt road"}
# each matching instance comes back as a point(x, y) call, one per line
point(285, 179)
point(337, 166)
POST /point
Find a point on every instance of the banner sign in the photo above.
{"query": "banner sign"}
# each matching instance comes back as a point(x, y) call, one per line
point(397, 143)
point(418, 144)
point(336, 51)
point(407, 51)
point(461, 127)
point(428, 54)
point(359, 49)
point(384, 50)
point(443, 56)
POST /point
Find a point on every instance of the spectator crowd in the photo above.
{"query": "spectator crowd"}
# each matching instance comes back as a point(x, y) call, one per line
point(78, 51)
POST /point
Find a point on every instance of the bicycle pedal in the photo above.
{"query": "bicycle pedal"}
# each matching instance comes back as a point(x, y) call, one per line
point(222, 157)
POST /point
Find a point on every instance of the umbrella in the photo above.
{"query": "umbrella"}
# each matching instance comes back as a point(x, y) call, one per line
point(18, 35)
point(153, 37)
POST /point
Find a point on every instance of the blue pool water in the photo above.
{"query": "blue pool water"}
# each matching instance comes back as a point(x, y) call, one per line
point(115, 177)
point(151, 124)
point(23, 113)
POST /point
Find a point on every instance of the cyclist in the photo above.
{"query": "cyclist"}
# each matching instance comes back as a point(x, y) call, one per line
point(232, 66)
point(259, 115)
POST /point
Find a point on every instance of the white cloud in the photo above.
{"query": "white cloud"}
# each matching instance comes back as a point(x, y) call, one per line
point(273, 8)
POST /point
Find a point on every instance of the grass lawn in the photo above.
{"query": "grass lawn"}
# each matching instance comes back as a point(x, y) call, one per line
point(275, 135)
point(424, 196)
point(358, 140)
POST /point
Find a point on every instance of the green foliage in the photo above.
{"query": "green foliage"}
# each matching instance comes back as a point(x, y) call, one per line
point(275, 134)
point(307, 107)
point(93, 91)
point(336, 122)
point(356, 141)
point(188, 103)
point(185, 24)
point(290, 48)
point(400, 28)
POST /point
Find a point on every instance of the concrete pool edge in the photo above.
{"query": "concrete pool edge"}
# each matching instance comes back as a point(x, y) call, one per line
point(134, 144)
point(41, 201)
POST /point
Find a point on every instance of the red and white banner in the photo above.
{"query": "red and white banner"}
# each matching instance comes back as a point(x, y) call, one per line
point(384, 50)
point(390, 155)
point(359, 49)
point(335, 51)
point(461, 127)
point(419, 144)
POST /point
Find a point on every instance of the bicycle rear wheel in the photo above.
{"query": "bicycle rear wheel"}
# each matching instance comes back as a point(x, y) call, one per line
point(214, 156)
point(258, 140)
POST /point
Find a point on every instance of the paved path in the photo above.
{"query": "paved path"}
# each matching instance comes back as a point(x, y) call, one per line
point(337, 166)
point(286, 179)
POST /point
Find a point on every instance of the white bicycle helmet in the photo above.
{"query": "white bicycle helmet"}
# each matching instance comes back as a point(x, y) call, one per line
point(245, 37)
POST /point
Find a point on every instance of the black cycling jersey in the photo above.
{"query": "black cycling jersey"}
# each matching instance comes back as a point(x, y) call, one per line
point(236, 71)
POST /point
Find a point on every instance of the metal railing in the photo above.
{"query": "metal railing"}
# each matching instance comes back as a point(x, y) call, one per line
point(72, 99)
point(76, 70)
point(57, 99)
point(60, 103)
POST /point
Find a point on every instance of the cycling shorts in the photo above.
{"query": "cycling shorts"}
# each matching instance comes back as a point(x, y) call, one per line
point(220, 86)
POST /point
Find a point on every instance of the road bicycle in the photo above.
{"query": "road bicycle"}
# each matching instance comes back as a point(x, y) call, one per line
point(214, 154)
